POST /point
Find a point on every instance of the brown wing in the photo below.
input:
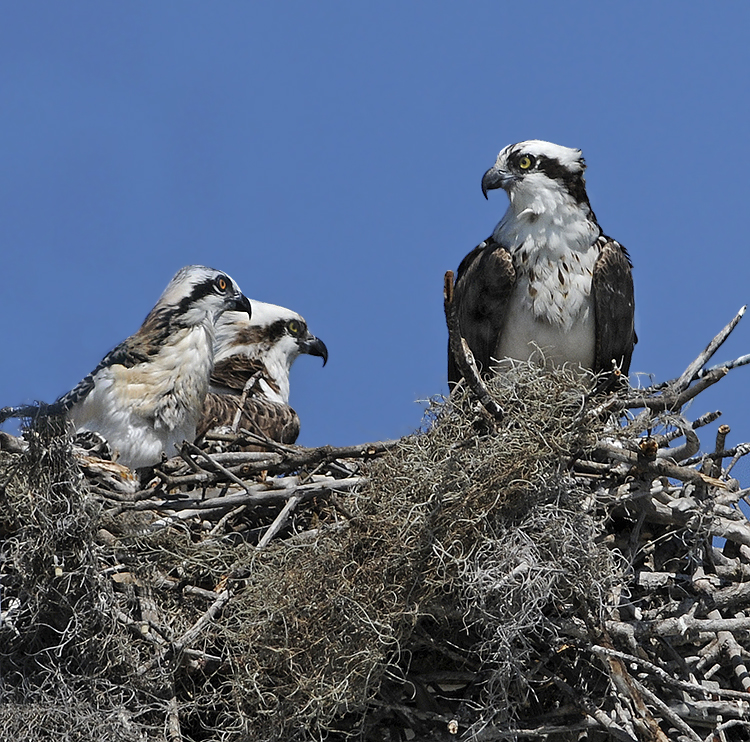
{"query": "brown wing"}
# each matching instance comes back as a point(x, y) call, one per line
point(484, 284)
point(278, 422)
point(234, 371)
point(614, 305)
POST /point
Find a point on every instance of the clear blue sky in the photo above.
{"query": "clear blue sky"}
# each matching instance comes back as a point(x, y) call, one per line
point(329, 157)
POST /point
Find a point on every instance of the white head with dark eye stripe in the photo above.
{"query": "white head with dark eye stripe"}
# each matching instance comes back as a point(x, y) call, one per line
point(197, 295)
point(547, 191)
point(530, 168)
point(274, 337)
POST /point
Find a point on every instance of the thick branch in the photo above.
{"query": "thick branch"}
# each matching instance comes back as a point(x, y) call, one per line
point(693, 369)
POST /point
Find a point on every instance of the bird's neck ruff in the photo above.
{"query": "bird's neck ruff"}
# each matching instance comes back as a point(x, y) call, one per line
point(187, 361)
point(174, 382)
point(553, 241)
point(275, 383)
point(546, 220)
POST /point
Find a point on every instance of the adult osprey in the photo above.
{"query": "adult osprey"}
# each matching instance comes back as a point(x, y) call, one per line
point(145, 397)
point(548, 278)
point(250, 380)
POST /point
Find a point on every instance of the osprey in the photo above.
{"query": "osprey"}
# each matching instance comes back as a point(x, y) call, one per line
point(547, 278)
point(250, 380)
point(145, 397)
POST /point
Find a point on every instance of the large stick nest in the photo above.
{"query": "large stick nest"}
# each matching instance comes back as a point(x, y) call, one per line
point(548, 572)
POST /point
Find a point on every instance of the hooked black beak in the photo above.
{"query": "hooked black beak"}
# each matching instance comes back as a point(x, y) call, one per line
point(241, 304)
point(315, 347)
point(492, 179)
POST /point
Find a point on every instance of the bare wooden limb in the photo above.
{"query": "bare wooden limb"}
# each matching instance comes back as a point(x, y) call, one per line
point(735, 452)
point(678, 431)
point(721, 438)
point(740, 451)
point(679, 453)
point(596, 714)
point(673, 400)
point(682, 625)
point(709, 712)
point(737, 594)
point(706, 419)
point(190, 635)
point(137, 627)
point(659, 467)
point(712, 464)
point(670, 680)
point(729, 365)
point(231, 459)
point(195, 630)
point(280, 521)
point(628, 688)
point(543, 731)
point(718, 732)
point(665, 712)
point(732, 649)
point(691, 372)
point(291, 458)
point(304, 457)
point(192, 448)
point(219, 527)
point(173, 733)
point(273, 491)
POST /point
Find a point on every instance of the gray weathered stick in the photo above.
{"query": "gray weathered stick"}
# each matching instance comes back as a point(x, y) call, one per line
point(694, 368)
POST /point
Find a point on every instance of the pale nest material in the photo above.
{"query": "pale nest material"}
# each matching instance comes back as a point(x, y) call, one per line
point(548, 575)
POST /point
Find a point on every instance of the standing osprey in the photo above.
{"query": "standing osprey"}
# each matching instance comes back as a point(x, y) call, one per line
point(250, 380)
point(146, 396)
point(548, 278)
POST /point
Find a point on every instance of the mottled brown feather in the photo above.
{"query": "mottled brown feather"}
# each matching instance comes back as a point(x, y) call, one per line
point(234, 371)
point(484, 283)
point(614, 303)
point(277, 421)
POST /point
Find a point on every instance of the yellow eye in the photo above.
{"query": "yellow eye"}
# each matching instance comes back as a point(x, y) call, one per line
point(221, 283)
point(293, 327)
point(526, 162)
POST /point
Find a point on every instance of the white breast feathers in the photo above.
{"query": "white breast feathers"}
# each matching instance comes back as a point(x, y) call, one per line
point(150, 408)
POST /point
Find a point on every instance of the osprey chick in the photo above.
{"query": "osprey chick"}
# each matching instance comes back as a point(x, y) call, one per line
point(253, 360)
point(145, 396)
point(547, 277)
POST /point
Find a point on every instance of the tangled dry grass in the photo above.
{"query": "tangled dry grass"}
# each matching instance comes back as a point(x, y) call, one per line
point(551, 574)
